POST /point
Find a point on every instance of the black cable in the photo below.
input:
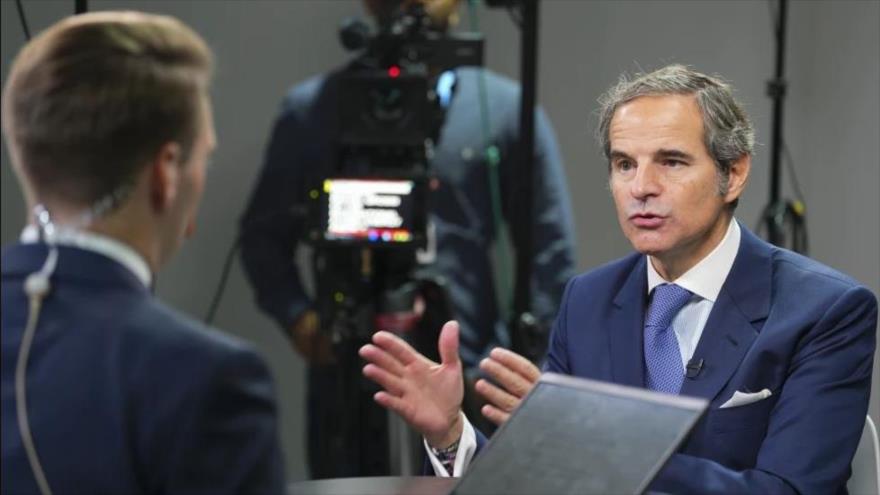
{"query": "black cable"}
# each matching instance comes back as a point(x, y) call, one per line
point(221, 286)
point(797, 209)
point(795, 184)
point(24, 24)
point(294, 213)
point(792, 224)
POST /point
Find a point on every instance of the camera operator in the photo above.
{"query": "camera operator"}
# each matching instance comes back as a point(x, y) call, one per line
point(301, 153)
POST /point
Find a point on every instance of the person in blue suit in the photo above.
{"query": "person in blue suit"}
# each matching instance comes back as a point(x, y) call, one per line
point(780, 345)
point(104, 388)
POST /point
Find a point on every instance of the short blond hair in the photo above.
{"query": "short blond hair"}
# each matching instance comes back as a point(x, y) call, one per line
point(90, 100)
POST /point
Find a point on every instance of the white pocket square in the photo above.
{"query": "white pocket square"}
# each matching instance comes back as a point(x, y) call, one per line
point(742, 398)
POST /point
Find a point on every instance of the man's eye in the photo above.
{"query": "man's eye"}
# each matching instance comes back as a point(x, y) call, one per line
point(624, 165)
point(674, 163)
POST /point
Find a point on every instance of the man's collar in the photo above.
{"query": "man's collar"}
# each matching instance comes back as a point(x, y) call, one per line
point(103, 245)
point(708, 275)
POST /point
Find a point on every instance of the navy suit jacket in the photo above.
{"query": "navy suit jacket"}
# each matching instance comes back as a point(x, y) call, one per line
point(782, 322)
point(126, 395)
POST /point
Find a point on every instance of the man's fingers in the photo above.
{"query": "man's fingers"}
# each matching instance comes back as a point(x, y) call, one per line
point(494, 414)
point(448, 343)
point(509, 380)
point(396, 347)
point(381, 359)
point(516, 363)
point(391, 402)
point(496, 396)
point(385, 379)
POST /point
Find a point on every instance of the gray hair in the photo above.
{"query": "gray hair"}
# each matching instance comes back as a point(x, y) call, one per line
point(728, 133)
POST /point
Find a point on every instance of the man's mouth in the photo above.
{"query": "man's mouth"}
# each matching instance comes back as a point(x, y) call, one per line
point(647, 220)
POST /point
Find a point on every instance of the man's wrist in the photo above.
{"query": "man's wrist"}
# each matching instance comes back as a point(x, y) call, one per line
point(446, 439)
point(447, 456)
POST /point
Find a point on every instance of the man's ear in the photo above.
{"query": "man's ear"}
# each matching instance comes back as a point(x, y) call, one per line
point(739, 176)
point(165, 176)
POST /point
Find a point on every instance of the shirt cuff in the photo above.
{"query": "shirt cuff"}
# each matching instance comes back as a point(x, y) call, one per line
point(467, 445)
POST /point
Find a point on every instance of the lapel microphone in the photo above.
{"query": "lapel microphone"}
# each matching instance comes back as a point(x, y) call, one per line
point(693, 368)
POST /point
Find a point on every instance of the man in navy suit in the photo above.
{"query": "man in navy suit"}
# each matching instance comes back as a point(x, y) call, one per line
point(781, 345)
point(104, 388)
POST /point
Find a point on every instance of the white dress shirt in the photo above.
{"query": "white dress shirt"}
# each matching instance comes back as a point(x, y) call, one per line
point(96, 243)
point(704, 280)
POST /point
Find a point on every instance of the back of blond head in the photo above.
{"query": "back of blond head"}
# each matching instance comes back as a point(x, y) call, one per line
point(90, 100)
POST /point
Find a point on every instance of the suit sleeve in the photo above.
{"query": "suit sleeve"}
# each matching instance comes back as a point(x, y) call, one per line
point(817, 422)
point(557, 354)
point(271, 226)
point(227, 441)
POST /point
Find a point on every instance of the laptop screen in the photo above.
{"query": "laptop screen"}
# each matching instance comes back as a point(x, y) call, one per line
point(572, 435)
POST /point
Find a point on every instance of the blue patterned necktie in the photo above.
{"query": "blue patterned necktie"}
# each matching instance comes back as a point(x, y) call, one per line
point(664, 371)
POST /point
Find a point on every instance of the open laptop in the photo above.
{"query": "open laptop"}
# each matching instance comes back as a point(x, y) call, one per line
point(571, 435)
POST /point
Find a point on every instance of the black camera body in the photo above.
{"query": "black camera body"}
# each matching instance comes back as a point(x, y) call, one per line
point(369, 217)
point(390, 116)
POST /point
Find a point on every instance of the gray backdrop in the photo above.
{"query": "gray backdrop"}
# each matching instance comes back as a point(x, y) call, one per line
point(262, 47)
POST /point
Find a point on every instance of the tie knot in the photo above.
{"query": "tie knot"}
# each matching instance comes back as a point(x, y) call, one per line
point(668, 299)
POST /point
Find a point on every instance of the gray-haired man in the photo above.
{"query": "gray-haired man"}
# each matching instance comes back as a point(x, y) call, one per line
point(792, 339)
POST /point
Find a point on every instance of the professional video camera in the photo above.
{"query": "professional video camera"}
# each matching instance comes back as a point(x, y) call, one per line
point(370, 216)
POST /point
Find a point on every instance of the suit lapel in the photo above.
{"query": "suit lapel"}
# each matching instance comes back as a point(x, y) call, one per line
point(626, 325)
point(736, 318)
point(726, 338)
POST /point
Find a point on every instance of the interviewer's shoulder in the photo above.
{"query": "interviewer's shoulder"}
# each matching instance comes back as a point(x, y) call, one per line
point(158, 333)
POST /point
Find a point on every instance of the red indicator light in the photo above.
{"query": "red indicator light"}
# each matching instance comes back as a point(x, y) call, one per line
point(393, 71)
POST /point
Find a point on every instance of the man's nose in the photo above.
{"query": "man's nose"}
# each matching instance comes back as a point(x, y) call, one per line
point(647, 182)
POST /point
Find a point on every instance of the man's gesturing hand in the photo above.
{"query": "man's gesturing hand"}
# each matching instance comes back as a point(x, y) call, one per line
point(514, 374)
point(427, 395)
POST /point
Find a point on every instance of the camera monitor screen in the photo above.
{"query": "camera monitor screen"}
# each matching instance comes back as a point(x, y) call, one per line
point(382, 211)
